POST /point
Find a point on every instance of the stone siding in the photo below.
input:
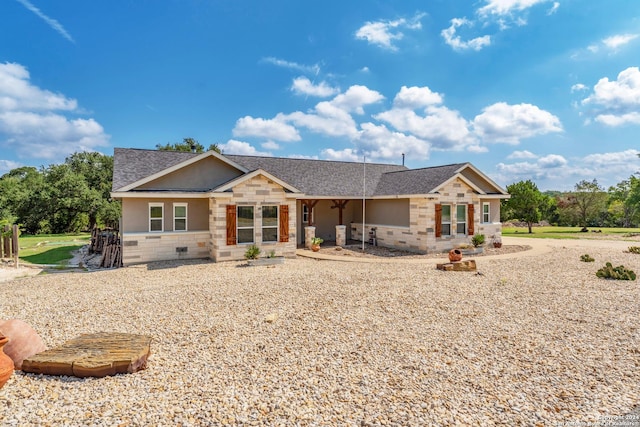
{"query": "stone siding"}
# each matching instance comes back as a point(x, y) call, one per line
point(148, 247)
point(256, 192)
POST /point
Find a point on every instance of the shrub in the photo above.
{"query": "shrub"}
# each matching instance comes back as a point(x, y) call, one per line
point(616, 273)
point(316, 240)
point(477, 240)
point(586, 258)
point(252, 252)
point(634, 249)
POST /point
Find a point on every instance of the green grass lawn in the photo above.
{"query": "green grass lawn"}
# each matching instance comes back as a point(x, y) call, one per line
point(51, 248)
point(551, 232)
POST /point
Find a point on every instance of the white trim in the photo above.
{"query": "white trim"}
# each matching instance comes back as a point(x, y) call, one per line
point(488, 221)
point(483, 176)
point(186, 216)
point(160, 195)
point(253, 226)
point(182, 165)
point(461, 178)
point(155, 205)
point(277, 226)
point(450, 223)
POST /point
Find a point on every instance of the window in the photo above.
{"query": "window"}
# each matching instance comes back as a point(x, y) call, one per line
point(305, 214)
point(245, 224)
point(179, 217)
point(446, 220)
point(156, 216)
point(269, 223)
point(461, 219)
point(486, 217)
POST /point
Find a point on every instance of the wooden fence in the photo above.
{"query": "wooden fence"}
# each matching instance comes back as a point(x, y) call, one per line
point(9, 247)
point(106, 242)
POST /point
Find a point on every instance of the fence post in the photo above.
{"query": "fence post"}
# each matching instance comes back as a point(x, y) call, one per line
point(14, 244)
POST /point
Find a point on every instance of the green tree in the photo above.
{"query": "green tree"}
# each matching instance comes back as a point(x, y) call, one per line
point(621, 212)
point(525, 202)
point(589, 200)
point(188, 144)
point(25, 198)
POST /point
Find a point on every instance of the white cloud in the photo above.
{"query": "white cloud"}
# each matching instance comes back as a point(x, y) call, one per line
point(522, 155)
point(31, 122)
point(578, 87)
point(50, 21)
point(416, 97)
point(617, 102)
point(384, 33)
point(553, 8)
point(17, 92)
point(311, 69)
point(326, 119)
point(243, 148)
point(507, 7)
point(304, 86)
point(270, 145)
point(443, 128)
point(506, 123)
point(558, 173)
point(456, 42)
point(8, 165)
point(614, 42)
point(346, 155)
point(380, 143)
point(267, 128)
point(355, 98)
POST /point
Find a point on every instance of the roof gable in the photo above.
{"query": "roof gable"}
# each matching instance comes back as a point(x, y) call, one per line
point(249, 176)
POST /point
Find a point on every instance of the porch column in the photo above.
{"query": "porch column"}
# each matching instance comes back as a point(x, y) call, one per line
point(309, 233)
point(341, 235)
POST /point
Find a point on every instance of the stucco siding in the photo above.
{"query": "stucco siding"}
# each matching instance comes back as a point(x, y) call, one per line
point(135, 214)
point(206, 174)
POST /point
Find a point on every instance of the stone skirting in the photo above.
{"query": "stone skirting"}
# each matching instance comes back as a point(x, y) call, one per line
point(147, 247)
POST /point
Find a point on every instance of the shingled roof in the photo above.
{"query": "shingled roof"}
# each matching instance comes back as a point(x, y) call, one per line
point(314, 178)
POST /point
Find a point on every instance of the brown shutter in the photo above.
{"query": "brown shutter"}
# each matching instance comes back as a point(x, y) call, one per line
point(231, 225)
point(470, 223)
point(284, 223)
point(438, 220)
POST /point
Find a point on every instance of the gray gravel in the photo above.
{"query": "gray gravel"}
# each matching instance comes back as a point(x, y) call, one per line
point(535, 340)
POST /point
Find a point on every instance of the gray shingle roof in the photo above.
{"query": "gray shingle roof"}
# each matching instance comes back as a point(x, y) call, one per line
point(416, 181)
point(315, 178)
point(320, 177)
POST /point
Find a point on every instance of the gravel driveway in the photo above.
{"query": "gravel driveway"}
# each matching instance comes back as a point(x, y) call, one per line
point(533, 339)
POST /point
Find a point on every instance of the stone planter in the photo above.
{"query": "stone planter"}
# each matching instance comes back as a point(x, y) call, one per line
point(472, 251)
point(265, 261)
point(6, 364)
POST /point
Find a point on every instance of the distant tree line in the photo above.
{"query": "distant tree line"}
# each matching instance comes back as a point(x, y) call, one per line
point(69, 197)
point(587, 205)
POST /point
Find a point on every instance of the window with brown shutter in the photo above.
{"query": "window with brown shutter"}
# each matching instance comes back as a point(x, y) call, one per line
point(470, 219)
point(438, 220)
point(284, 223)
point(231, 224)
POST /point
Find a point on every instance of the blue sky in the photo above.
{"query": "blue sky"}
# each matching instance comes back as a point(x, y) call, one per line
point(523, 89)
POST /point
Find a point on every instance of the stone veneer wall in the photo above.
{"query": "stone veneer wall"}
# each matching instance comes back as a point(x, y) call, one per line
point(148, 247)
point(255, 192)
point(420, 235)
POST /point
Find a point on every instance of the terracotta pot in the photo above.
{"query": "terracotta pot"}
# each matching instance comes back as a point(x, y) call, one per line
point(24, 341)
point(455, 255)
point(315, 248)
point(6, 364)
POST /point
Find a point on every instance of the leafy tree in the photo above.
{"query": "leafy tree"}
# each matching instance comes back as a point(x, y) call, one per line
point(525, 202)
point(26, 196)
point(187, 145)
point(589, 199)
point(621, 212)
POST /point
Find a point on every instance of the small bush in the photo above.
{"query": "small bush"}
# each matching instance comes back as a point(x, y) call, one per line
point(477, 240)
point(586, 258)
point(616, 273)
point(252, 252)
point(634, 249)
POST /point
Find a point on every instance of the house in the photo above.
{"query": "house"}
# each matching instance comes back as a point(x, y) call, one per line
point(179, 205)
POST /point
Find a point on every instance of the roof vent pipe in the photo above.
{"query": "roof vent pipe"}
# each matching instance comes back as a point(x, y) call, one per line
point(402, 159)
point(193, 147)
